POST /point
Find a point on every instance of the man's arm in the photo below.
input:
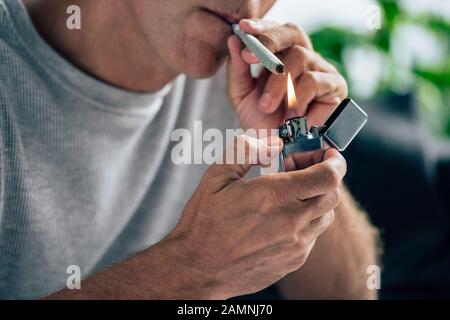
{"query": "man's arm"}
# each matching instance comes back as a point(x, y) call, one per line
point(159, 272)
point(336, 268)
point(250, 242)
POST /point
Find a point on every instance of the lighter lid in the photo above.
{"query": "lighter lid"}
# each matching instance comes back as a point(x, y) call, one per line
point(344, 124)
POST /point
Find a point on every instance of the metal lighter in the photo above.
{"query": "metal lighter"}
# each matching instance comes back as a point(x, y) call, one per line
point(338, 131)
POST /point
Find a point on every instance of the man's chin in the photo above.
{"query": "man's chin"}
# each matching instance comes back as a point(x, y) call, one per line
point(204, 73)
point(204, 63)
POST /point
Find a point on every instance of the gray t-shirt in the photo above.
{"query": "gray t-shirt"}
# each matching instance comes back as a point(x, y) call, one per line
point(85, 168)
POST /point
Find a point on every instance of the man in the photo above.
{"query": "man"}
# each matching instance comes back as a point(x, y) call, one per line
point(87, 178)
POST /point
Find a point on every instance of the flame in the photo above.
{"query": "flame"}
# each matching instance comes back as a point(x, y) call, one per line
point(292, 99)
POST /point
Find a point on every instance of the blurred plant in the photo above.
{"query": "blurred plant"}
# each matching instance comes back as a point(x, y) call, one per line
point(394, 68)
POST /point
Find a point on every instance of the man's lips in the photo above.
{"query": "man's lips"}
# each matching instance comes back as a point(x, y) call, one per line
point(226, 17)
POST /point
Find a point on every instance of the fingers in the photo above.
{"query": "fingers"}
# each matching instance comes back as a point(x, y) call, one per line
point(303, 160)
point(274, 36)
point(315, 218)
point(299, 202)
point(314, 209)
point(314, 84)
point(243, 153)
point(320, 205)
point(320, 225)
point(240, 81)
point(299, 59)
point(315, 79)
point(305, 67)
point(311, 182)
point(327, 89)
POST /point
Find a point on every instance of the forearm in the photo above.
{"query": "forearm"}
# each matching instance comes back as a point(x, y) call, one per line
point(336, 268)
point(158, 272)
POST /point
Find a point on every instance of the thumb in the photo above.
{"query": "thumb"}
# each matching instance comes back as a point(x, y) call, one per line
point(243, 153)
point(240, 80)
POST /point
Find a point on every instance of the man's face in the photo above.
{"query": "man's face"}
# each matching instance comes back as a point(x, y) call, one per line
point(190, 35)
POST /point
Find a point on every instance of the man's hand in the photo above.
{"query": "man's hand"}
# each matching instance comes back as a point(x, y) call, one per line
point(236, 236)
point(259, 103)
point(242, 235)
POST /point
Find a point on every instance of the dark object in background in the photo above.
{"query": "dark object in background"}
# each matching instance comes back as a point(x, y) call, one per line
point(401, 176)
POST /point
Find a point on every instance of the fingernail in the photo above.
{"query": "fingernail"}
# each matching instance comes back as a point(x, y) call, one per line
point(255, 24)
point(265, 102)
point(250, 54)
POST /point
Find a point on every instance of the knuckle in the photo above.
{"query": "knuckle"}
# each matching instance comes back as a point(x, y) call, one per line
point(312, 79)
point(212, 179)
point(211, 172)
point(331, 218)
point(301, 244)
point(336, 197)
point(330, 201)
point(343, 86)
point(309, 209)
point(328, 66)
point(332, 67)
point(301, 259)
point(290, 229)
point(301, 52)
point(293, 26)
point(326, 222)
point(298, 260)
point(331, 176)
point(293, 234)
point(269, 40)
point(288, 234)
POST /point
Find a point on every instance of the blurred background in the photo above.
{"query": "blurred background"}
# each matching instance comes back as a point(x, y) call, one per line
point(395, 56)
